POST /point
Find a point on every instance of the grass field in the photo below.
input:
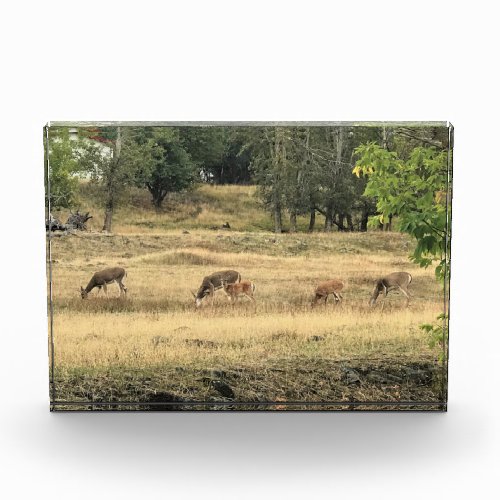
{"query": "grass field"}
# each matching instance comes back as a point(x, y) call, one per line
point(154, 345)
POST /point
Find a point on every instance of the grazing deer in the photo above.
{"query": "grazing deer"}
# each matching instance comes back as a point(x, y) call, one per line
point(393, 281)
point(235, 290)
point(103, 278)
point(214, 282)
point(331, 287)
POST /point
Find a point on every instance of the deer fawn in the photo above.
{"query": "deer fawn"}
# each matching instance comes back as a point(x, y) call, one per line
point(214, 282)
point(103, 278)
point(241, 289)
point(325, 288)
point(393, 281)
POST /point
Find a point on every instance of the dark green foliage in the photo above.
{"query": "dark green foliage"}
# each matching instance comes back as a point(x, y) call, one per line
point(167, 167)
point(304, 170)
point(207, 148)
point(219, 153)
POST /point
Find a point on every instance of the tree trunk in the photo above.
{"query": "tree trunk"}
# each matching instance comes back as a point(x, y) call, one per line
point(277, 154)
point(312, 220)
point(329, 219)
point(385, 138)
point(293, 222)
point(157, 195)
point(110, 203)
point(339, 144)
point(340, 223)
point(350, 224)
point(388, 225)
point(364, 221)
point(108, 216)
point(157, 201)
point(278, 225)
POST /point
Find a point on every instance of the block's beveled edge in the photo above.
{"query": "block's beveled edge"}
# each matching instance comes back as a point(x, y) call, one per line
point(247, 123)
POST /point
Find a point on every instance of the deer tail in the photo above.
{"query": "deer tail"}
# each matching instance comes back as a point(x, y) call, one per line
point(253, 287)
point(239, 277)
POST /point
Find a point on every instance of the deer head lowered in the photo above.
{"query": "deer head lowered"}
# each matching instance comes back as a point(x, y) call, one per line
point(214, 282)
point(331, 287)
point(105, 277)
point(393, 281)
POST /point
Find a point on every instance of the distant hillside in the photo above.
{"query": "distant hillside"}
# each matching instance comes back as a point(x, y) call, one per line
point(206, 207)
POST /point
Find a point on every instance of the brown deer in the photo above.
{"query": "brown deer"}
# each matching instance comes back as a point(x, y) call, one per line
point(393, 281)
point(241, 289)
point(326, 288)
point(103, 278)
point(214, 282)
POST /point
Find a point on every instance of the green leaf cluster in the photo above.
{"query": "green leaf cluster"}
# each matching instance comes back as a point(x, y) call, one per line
point(438, 334)
point(63, 167)
point(415, 191)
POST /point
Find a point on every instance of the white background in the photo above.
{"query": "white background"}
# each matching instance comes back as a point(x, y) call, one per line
point(216, 60)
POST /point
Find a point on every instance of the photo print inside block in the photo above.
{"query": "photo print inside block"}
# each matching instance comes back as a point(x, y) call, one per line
point(243, 266)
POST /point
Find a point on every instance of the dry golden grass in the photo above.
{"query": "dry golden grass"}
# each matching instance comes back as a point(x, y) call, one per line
point(203, 208)
point(111, 330)
point(223, 339)
point(156, 331)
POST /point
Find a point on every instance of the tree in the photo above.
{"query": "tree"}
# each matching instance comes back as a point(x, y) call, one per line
point(168, 168)
point(297, 174)
point(331, 156)
point(63, 168)
point(113, 157)
point(304, 170)
point(269, 164)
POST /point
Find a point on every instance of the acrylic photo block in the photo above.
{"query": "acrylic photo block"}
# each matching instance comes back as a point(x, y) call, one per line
point(256, 266)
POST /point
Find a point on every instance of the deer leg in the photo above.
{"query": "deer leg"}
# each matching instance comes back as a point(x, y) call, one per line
point(405, 292)
point(383, 301)
point(122, 286)
point(105, 288)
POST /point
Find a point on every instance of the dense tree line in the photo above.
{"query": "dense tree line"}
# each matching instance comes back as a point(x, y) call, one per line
point(309, 170)
point(299, 171)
